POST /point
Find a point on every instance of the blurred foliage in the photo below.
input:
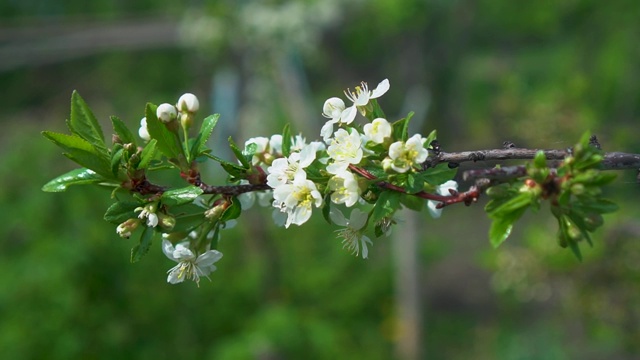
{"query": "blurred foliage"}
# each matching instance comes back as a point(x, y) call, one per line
point(536, 73)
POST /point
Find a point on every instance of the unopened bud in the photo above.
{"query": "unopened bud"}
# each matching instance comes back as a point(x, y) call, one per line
point(188, 103)
point(166, 113)
point(166, 222)
point(126, 228)
point(143, 131)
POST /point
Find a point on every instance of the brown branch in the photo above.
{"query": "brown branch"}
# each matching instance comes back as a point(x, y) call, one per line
point(612, 160)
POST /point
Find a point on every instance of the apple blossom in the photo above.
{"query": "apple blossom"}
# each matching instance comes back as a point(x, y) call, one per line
point(190, 265)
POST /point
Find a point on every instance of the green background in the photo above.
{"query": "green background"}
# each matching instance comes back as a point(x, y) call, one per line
point(480, 72)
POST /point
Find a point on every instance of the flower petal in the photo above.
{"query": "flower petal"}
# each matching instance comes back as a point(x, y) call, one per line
point(382, 88)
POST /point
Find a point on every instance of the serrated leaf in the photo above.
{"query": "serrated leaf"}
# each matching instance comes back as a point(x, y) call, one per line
point(188, 217)
point(140, 250)
point(84, 124)
point(286, 140)
point(121, 211)
point(180, 196)
point(239, 155)
point(415, 183)
point(148, 154)
point(122, 131)
point(516, 203)
point(167, 141)
point(82, 152)
point(200, 144)
point(82, 176)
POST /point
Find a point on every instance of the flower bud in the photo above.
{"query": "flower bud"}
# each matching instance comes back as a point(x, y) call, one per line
point(166, 113)
point(143, 132)
point(188, 103)
point(166, 222)
point(333, 108)
point(126, 228)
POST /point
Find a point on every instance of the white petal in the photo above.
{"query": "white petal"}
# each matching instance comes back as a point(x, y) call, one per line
point(433, 211)
point(168, 249)
point(382, 88)
point(337, 217)
point(357, 219)
point(348, 115)
point(208, 258)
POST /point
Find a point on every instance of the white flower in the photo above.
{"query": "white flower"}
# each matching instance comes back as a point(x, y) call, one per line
point(275, 144)
point(345, 149)
point(284, 170)
point(189, 265)
point(404, 156)
point(352, 234)
point(442, 189)
point(361, 97)
point(332, 110)
point(148, 212)
point(166, 112)
point(345, 188)
point(188, 102)
point(297, 199)
point(377, 131)
point(143, 131)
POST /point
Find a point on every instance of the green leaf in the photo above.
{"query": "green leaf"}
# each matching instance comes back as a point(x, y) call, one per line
point(188, 217)
point(121, 211)
point(412, 202)
point(400, 128)
point(286, 140)
point(84, 124)
point(122, 131)
point(80, 176)
point(415, 183)
point(516, 203)
point(540, 160)
point(376, 111)
point(200, 144)
point(116, 158)
point(387, 204)
point(180, 196)
point(82, 152)
point(326, 209)
point(501, 226)
point(148, 154)
point(239, 155)
point(439, 174)
point(140, 250)
point(499, 232)
point(430, 138)
point(167, 141)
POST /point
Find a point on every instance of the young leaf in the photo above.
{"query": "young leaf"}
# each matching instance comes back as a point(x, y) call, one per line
point(121, 211)
point(400, 128)
point(82, 152)
point(286, 140)
point(148, 154)
point(116, 158)
point(80, 176)
point(199, 145)
point(84, 124)
point(180, 196)
point(188, 217)
point(122, 131)
point(502, 225)
point(236, 151)
point(140, 250)
point(167, 141)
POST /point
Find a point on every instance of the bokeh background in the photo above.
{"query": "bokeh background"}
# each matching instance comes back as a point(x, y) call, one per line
point(538, 73)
